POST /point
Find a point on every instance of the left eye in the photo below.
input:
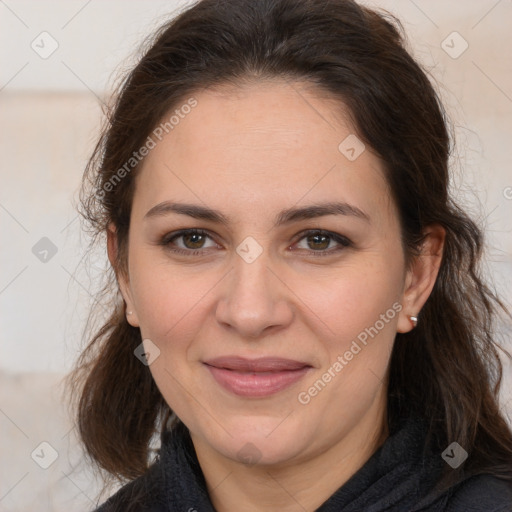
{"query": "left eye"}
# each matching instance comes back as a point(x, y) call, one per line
point(319, 241)
point(192, 241)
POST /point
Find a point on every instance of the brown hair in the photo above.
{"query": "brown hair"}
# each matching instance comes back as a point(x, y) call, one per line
point(447, 369)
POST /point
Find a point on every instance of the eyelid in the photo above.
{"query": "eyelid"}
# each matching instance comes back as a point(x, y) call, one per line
point(341, 240)
point(169, 237)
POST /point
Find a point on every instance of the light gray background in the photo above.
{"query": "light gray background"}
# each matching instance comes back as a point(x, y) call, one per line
point(50, 117)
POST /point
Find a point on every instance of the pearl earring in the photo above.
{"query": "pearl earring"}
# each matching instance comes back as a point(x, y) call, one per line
point(414, 320)
point(129, 312)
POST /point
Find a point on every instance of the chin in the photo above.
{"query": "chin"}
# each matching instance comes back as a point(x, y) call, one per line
point(261, 441)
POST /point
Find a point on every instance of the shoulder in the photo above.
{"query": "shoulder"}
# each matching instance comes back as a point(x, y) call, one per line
point(481, 493)
point(144, 494)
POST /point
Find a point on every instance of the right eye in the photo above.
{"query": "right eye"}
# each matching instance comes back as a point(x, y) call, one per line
point(192, 241)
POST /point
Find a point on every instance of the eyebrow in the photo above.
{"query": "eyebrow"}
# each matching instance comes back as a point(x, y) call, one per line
point(284, 217)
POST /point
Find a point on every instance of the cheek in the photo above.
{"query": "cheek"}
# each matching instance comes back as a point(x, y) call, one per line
point(338, 303)
point(359, 311)
point(353, 298)
point(167, 304)
point(172, 303)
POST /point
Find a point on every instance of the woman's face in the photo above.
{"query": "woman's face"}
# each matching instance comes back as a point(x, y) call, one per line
point(260, 170)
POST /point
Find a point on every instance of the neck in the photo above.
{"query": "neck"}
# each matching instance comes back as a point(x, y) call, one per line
point(307, 483)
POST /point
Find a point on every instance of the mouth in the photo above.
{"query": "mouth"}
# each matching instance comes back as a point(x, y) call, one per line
point(256, 378)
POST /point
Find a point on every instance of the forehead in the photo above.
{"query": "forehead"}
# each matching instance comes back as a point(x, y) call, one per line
point(270, 144)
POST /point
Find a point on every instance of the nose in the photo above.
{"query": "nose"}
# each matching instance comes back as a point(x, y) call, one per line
point(254, 300)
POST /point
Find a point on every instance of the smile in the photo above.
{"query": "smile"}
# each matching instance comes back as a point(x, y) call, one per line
point(256, 378)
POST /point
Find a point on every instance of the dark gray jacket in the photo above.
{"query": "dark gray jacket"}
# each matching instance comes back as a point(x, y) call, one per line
point(397, 478)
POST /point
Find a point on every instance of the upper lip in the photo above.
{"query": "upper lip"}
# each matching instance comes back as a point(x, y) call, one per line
point(262, 364)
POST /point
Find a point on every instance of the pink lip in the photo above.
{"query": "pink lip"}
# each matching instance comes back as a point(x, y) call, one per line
point(256, 377)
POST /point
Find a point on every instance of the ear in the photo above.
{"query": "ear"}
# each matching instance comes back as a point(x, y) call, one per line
point(122, 280)
point(421, 276)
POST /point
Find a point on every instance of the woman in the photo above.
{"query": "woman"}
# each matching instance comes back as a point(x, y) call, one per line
point(301, 320)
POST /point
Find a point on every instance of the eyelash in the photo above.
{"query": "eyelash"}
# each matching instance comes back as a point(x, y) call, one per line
point(342, 240)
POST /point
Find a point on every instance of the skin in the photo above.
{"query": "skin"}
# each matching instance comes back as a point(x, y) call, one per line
point(251, 152)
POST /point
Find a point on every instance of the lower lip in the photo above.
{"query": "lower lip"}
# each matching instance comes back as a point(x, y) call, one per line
point(256, 384)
